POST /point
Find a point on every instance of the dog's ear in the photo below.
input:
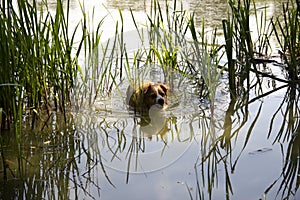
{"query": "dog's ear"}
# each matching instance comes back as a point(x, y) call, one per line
point(164, 87)
point(147, 88)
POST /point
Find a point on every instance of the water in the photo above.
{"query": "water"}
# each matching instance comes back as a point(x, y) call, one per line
point(109, 153)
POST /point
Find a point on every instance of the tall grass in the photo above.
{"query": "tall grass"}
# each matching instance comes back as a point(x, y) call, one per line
point(37, 68)
point(207, 54)
point(40, 70)
point(161, 40)
point(40, 73)
point(228, 35)
point(176, 47)
point(287, 31)
point(167, 29)
point(244, 53)
point(241, 27)
point(238, 44)
point(102, 67)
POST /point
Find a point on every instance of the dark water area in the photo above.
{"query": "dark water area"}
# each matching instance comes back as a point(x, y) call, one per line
point(247, 148)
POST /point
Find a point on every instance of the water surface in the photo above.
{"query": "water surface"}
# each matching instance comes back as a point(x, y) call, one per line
point(108, 152)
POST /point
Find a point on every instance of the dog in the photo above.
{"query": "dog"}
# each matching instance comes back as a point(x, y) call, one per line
point(147, 95)
point(149, 100)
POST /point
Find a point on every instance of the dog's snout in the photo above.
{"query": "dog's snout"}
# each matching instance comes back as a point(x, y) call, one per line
point(161, 101)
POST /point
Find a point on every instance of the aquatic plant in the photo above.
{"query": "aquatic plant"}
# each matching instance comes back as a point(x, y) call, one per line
point(102, 66)
point(41, 80)
point(37, 67)
point(287, 32)
point(243, 53)
point(40, 69)
point(167, 38)
point(241, 27)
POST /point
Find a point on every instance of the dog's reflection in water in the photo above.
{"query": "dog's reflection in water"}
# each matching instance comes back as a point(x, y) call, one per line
point(156, 123)
point(149, 101)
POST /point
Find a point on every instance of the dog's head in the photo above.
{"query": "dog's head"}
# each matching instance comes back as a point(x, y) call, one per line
point(155, 94)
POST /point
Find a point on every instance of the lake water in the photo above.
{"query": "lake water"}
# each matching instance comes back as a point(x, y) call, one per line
point(251, 152)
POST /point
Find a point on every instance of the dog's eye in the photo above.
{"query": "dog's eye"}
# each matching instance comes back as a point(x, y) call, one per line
point(153, 95)
point(162, 94)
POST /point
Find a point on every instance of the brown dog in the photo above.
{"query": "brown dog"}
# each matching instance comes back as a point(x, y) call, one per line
point(150, 94)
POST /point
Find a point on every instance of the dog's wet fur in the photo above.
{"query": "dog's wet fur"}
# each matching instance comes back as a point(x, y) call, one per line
point(147, 101)
point(143, 97)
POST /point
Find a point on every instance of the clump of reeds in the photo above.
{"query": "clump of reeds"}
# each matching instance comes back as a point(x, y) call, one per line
point(238, 43)
point(37, 67)
point(103, 61)
point(180, 51)
point(207, 54)
point(287, 31)
point(167, 31)
point(248, 53)
point(166, 28)
point(39, 54)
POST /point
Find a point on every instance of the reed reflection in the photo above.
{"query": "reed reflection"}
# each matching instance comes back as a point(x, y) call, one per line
point(48, 164)
point(216, 152)
point(289, 133)
point(219, 157)
point(139, 144)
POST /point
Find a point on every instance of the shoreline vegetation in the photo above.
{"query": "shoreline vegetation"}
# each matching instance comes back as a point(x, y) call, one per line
point(40, 71)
